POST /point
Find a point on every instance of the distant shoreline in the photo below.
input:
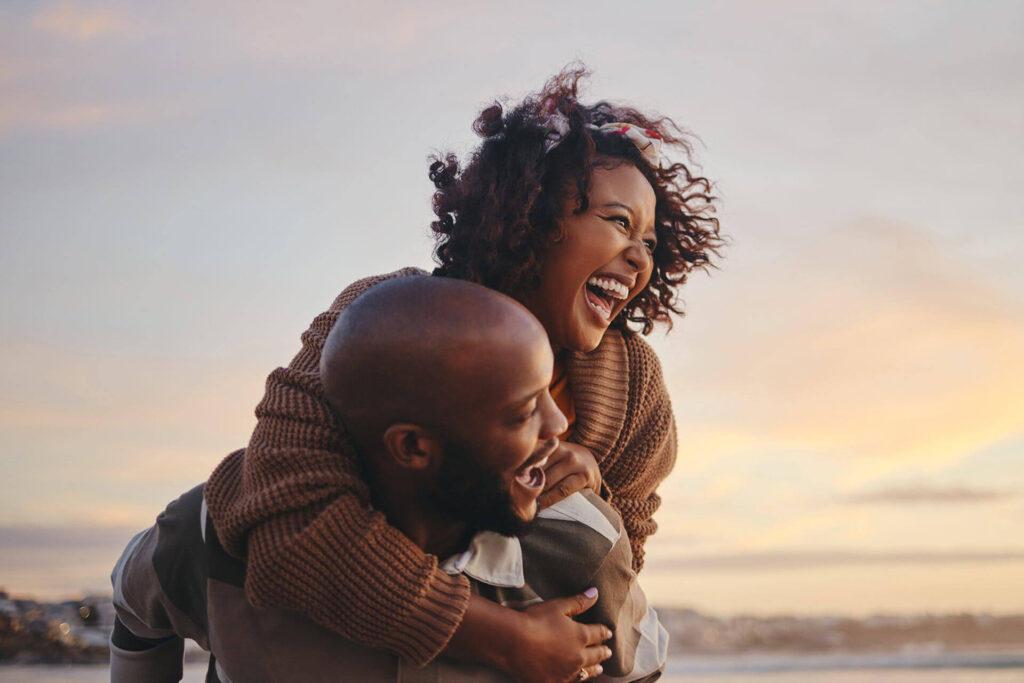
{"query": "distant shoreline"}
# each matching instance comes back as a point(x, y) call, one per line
point(76, 631)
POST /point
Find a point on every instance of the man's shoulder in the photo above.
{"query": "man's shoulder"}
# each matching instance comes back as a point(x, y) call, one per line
point(589, 510)
point(581, 532)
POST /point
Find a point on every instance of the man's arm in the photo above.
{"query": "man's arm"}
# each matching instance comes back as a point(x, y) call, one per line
point(159, 596)
point(145, 646)
point(144, 660)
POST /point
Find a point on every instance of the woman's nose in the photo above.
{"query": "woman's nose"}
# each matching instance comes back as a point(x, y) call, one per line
point(638, 257)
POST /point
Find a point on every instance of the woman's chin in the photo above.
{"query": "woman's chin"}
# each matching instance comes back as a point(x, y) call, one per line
point(588, 337)
point(582, 335)
point(584, 341)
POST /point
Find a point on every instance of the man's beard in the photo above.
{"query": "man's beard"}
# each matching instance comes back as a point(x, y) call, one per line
point(467, 492)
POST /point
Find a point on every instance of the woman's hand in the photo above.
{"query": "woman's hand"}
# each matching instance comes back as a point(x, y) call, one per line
point(542, 644)
point(556, 648)
point(570, 469)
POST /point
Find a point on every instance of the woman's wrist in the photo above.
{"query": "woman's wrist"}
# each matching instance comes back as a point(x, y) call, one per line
point(488, 634)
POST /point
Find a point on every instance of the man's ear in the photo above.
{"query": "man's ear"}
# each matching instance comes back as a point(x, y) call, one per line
point(411, 446)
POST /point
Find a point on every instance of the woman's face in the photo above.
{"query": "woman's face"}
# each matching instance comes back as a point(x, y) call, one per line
point(602, 261)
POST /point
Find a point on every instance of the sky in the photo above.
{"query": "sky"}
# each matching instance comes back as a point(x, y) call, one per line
point(184, 186)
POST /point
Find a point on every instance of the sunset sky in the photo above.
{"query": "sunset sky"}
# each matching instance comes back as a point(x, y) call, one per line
point(184, 186)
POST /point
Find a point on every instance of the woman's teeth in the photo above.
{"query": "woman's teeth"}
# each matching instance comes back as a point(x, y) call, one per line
point(613, 288)
point(601, 292)
point(597, 303)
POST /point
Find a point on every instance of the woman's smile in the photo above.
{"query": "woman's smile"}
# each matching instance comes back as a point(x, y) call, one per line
point(604, 294)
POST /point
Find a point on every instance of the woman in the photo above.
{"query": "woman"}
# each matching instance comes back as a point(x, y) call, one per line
point(570, 209)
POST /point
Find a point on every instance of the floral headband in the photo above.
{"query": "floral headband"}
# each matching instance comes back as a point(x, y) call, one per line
point(646, 140)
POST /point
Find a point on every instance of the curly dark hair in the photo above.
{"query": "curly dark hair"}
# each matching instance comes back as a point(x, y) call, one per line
point(497, 217)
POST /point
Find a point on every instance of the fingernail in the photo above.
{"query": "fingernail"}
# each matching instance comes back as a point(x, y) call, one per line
point(590, 592)
point(607, 652)
point(600, 669)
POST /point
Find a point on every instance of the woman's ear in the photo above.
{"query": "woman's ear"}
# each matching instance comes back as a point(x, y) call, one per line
point(411, 446)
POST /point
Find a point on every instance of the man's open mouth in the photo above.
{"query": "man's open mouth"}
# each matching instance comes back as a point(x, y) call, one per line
point(532, 477)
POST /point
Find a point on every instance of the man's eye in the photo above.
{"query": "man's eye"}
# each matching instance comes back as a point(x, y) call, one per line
point(527, 415)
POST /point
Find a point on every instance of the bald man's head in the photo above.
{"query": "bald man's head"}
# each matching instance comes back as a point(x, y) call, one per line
point(418, 349)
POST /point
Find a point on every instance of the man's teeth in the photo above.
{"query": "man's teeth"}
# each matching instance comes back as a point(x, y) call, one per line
point(613, 287)
point(536, 477)
point(533, 476)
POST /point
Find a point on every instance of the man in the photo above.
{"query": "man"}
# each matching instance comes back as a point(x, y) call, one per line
point(443, 387)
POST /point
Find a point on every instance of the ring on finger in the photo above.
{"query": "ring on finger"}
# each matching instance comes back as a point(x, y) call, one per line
point(582, 675)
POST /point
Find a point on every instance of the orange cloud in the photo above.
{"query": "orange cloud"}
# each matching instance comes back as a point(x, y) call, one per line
point(73, 21)
point(24, 111)
point(115, 423)
point(920, 494)
point(872, 342)
point(759, 584)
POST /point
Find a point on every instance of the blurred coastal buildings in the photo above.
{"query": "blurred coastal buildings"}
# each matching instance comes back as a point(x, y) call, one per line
point(694, 633)
point(71, 631)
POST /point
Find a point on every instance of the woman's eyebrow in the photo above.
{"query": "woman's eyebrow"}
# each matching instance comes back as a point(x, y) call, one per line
point(621, 206)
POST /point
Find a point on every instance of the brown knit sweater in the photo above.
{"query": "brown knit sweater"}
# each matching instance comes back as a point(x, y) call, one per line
point(295, 505)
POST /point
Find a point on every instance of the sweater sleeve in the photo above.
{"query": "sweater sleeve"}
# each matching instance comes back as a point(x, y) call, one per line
point(647, 451)
point(295, 505)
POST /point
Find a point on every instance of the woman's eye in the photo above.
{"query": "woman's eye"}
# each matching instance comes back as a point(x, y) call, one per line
point(651, 245)
point(621, 221)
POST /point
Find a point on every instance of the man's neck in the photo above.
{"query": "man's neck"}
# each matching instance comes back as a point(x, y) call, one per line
point(436, 535)
point(434, 532)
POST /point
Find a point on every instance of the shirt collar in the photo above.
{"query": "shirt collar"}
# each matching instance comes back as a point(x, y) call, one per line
point(492, 559)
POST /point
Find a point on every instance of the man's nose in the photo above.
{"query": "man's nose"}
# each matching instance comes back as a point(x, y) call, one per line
point(554, 421)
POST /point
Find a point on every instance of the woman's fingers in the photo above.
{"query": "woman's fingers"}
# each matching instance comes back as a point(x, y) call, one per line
point(571, 468)
point(562, 489)
point(561, 648)
point(574, 604)
point(592, 658)
point(561, 469)
point(596, 634)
